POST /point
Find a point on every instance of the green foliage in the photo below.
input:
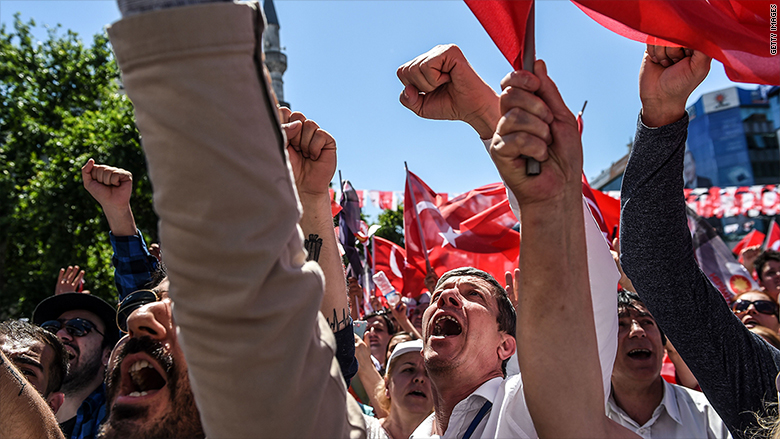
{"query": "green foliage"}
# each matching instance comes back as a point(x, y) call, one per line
point(392, 223)
point(60, 104)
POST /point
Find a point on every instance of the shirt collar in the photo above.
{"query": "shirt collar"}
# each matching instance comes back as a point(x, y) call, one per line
point(669, 402)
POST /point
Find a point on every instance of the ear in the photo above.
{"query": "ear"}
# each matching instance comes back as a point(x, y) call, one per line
point(387, 389)
point(507, 347)
point(106, 356)
point(55, 400)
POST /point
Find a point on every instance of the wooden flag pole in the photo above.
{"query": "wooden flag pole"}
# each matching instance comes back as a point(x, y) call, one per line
point(532, 166)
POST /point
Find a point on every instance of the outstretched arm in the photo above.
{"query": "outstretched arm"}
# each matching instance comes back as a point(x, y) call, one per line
point(441, 84)
point(560, 363)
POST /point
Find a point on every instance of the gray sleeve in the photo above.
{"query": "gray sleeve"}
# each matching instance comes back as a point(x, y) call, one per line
point(735, 368)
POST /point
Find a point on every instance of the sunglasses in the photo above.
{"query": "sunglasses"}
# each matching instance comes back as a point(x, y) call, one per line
point(762, 306)
point(75, 327)
point(131, 303)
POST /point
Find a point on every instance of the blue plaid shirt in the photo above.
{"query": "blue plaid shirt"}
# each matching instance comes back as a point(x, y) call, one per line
point(133, 264)
point(91, 415)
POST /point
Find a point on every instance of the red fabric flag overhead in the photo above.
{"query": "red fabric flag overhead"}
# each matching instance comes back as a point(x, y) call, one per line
point(735, 32)
point(772, 237)
point(753, 238)
point(389, 257)
point(475, 229)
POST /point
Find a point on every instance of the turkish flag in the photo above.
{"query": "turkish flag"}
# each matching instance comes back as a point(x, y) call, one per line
point(753, 238)
point(605, 209)
point(476, 229)
point(735, 32)
point(772, 237)
point(389, 257)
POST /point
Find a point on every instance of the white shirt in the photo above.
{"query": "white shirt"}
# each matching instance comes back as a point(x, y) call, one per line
point(509, 416)
point(682, 413)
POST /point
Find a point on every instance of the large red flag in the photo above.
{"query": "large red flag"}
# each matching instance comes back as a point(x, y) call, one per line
point(735, 32)
point(476, 229)
point(389, 257)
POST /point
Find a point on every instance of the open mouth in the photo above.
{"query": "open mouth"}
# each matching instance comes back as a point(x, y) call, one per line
point(71, 351)
point(446, 326)
point(418, 394)
point(141, 377)
point(640, 354)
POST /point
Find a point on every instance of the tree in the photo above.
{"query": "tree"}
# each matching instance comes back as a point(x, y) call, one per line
point(60, 104)
point(392, 222)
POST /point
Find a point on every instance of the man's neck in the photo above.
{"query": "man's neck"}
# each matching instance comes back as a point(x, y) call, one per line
point(638, 399)
point(73, 401)
point(448, 391)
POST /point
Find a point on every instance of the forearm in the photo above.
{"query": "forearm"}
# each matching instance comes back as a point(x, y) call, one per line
point(371, 380)
point(23, 413)
point(120, 220)
point(554, 288)
point(317, 220)
point(134, 266)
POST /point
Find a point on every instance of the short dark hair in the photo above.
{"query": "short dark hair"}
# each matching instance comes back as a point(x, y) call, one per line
point(507, 317)
point(763, 258)
point(630, 299)
point(20, 330)
point(388, 322)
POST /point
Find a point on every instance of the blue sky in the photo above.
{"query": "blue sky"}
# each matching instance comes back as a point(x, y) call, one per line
point(342, 58)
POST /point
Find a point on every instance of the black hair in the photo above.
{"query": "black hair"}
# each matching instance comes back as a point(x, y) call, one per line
point(763, 258)
point(507, 317)
point(630, 299)
point(19, 330)
point(388, 322)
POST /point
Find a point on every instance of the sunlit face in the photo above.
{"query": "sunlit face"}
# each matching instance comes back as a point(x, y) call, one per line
point(640, 349)
point(33, 358)
point(752, 317)
point(408, 386)
point(148, 389)
point(460, 329)
point(87, 355)
point(377, 336)
point(769, 278)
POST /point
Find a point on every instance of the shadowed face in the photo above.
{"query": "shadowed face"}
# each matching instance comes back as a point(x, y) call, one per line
point(640, 349)
point(148, 389)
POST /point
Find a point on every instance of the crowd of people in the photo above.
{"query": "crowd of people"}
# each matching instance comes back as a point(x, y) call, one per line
point(231, 329)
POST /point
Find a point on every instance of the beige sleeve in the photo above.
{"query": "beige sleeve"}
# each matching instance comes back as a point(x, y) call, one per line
point(260, 355)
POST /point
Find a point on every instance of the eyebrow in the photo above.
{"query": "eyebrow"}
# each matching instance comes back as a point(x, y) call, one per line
point(24, 359)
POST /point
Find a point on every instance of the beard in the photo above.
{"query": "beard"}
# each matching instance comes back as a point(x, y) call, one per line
point(81, 376)
point(182, 420)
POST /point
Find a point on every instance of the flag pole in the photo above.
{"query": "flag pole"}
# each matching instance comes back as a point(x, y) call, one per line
point(532, 166)
point(341, 183)
point(417, 218)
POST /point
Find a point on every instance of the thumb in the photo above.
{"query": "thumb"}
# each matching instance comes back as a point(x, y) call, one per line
point(292, 129)
point(549, 93)
point(87, 168)
point(411, 99)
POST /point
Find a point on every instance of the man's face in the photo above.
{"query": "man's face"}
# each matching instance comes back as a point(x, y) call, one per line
point(769, 278)
point(377, 336)
point(148, 389)
point(751, 317)
point(640, 350)
point(87, 355)
point(460, 329)
point(32, 357)
point(416, 316)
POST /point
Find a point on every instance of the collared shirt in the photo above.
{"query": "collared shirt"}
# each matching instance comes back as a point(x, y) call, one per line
point(90, 415)
point(682, 413)
point(133, 264)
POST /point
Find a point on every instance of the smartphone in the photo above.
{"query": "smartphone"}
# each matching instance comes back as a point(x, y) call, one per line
point(359, 327)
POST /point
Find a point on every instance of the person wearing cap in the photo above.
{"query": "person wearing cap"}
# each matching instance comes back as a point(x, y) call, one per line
point(405, 394)
point(86, 326)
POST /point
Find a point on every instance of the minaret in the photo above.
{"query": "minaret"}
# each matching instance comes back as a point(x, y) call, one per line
point(275, 60)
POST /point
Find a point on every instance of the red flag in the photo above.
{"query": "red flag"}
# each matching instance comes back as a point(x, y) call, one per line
point(598, 213)
point(389, 258)
point(335, 207)
point(753, 238)
point(772, 237)
point(735, 32)
point(475, 229)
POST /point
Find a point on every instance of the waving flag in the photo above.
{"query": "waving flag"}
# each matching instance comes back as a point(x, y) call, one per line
point(753, 238)
point(390, 257)
point(772, 237)
point(735, 32)
point(716, 261)
point(475, 229)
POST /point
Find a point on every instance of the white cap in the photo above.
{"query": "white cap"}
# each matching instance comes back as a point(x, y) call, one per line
point(404, 348)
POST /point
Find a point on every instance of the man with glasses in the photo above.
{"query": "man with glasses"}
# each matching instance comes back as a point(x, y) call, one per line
point(85, 325)
point(756, 308)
